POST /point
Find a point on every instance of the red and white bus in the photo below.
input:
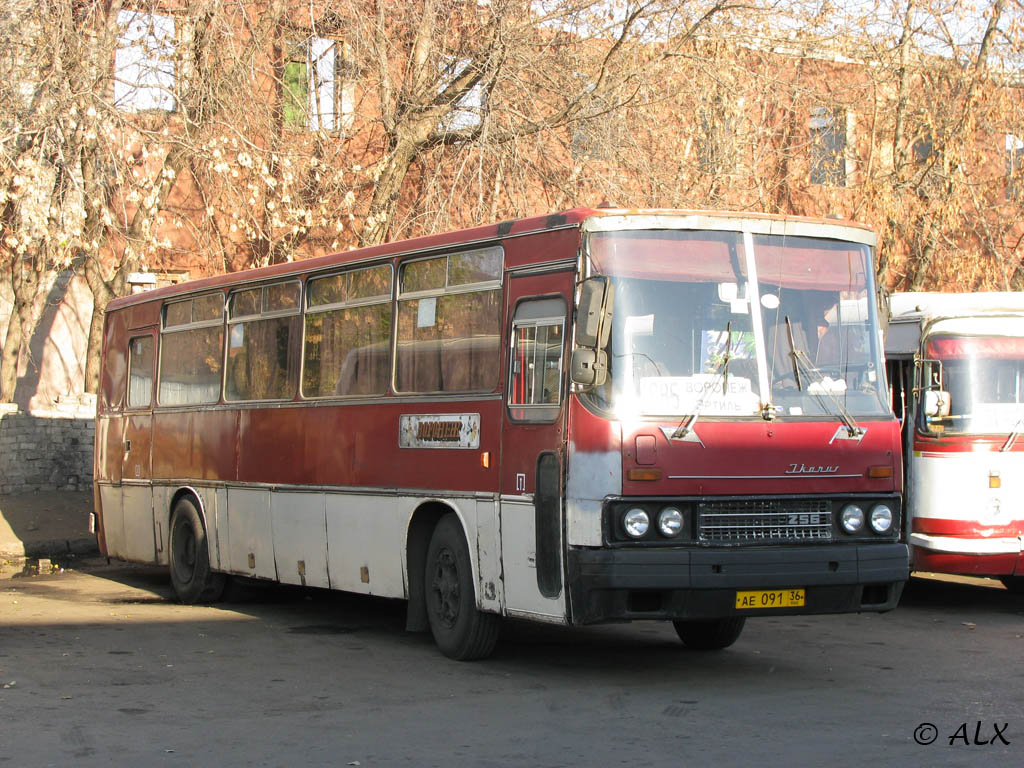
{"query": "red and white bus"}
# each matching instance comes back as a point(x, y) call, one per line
point(597, 415)
point(956, 365)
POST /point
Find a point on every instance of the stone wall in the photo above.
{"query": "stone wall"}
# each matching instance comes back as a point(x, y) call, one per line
point(48, 450)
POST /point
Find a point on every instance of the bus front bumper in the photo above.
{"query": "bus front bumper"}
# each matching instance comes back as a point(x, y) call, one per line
point(973, 555)
point(625, 584)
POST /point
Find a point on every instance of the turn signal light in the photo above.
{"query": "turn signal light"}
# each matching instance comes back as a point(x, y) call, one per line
point(994, 481)
point(644, 474)
point(880, 471)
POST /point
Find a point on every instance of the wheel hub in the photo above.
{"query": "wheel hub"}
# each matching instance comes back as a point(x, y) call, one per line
point(445, 587)
point(184, 555)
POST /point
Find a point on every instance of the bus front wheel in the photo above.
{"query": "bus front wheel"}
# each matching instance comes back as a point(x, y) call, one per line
point(191, 577)
point(710, 635)
point(460, 630)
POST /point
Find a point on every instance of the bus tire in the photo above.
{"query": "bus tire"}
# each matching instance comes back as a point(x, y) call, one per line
point(710, 635)
point(460, 630)
point(1014, 584)
point(191, 577)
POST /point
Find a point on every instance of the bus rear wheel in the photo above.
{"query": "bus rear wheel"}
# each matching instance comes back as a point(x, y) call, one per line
point(460, 630)
point(710, 635)
point(191, 577)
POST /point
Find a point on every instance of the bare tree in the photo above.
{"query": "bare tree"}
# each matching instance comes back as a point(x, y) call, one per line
point(478, 90)
point(145, 136)
point(218, 134)
point(939, 190)
point(40, 201)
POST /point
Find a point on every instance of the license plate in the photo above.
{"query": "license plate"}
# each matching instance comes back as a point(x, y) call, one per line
point(771, 598)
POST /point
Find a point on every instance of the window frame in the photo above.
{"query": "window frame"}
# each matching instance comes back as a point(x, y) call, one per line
point(468, 111)
point(446, 290)
point(156, 68)
point(717, 140)
point(192, 325)
point(293, 372)
point(1013, 159)
point(308, 310)
point(128, 405)
point(319, 88)
point(523, 317)
point(829, 141)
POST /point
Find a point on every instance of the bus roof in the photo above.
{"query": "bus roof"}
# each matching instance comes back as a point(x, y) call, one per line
point(598, 219)
point(912, 311)
point(933, 305)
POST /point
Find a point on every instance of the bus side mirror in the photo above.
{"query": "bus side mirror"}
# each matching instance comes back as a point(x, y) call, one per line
point(931, 374)
point(936, 404)
point(588, 366)
point(884, 301)
point(593, 316)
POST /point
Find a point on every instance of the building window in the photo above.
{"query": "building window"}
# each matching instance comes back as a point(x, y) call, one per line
point(598, 138)
point(468, 111)
point(922, 150)
point(600, 133)
point(144, 62)
point(1014, 161)
point(828, 146)
point(716, 151)
point(315, 94)
point(929, 178)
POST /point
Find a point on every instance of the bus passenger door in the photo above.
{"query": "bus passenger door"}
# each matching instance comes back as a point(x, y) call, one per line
point(136, 463)
point(532, 453)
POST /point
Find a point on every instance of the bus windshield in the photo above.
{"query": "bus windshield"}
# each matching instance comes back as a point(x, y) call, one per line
point(984, 376)
point(728, 324)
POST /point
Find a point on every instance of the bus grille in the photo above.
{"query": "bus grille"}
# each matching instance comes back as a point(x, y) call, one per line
point(744, 520)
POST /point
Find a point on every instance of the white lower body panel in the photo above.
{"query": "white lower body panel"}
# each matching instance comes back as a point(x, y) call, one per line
point(338, 538)
point(519, 557)
point(128, 521)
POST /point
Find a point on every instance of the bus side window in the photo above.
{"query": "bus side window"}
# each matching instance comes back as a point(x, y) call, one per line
point(191, 351)
point(140, 372)
point(264, 326)
point(449, 322)
point(536, 368)
point(347, 348)
point(115, 364)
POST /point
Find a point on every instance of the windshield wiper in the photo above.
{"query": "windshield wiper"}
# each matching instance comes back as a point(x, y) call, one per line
point(1014, 434)
point(793, 354)
point(722, 369)
point(802, 364)
point(727, 358)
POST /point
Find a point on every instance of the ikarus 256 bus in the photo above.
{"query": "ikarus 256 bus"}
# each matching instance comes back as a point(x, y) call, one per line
point(597, 415)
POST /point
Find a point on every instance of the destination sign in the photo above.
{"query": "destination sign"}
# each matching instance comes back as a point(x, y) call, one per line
point(702, 393)
point(439, 430)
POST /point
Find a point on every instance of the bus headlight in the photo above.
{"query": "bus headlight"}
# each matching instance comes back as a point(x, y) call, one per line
point(636, 522)
point(851, 518)
point(670, 522)
point(881, 518)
